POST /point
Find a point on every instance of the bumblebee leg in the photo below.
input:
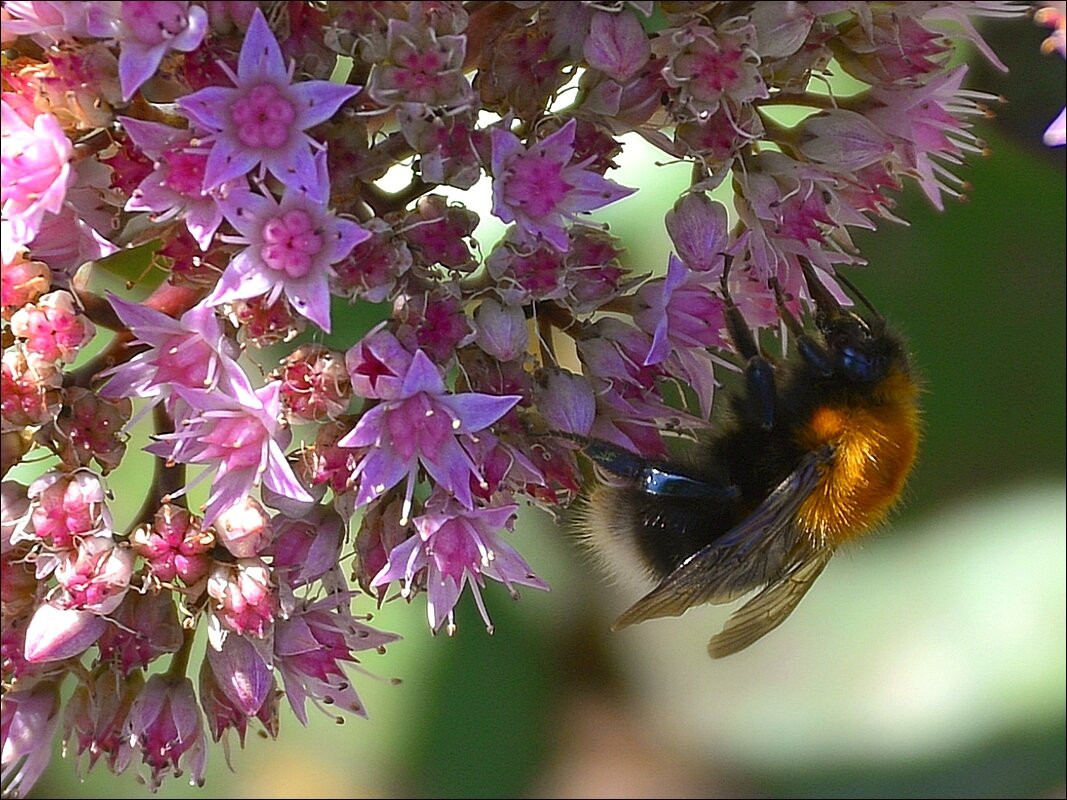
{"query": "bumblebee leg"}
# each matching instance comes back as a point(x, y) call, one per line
point(759, 372)
point(653, 478)
point(809, 349)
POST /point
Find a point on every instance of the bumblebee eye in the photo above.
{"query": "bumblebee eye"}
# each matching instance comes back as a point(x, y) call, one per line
point(861, 366)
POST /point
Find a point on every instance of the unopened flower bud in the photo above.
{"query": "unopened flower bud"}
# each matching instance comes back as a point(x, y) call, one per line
point(96, 574)
point(502, 331)
point(245, 599)
point(174, 546)
point(56, 633)
point(244, 528)
point(67, 508)
point(52, 327)
point(29, 388)
point(21, 283)
point(315, 384)
point(567, 402)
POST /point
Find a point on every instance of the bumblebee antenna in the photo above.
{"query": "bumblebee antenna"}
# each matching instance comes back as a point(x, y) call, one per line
point(862, 298)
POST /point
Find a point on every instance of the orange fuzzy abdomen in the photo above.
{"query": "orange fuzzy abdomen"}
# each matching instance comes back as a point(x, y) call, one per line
point(875, 447)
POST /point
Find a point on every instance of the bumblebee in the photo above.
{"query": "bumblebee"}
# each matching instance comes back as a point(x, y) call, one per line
point(815, 452)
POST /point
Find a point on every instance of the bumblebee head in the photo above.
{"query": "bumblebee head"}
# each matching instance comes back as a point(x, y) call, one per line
point(858, 349)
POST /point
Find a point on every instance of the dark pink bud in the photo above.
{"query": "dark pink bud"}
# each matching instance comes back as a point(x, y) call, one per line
point(67, 508)
point(174, 546)
point(29, 388)
point(263, 325)
point(21, 283)
point(95, 575)
point(53, 328)
point(315, 384)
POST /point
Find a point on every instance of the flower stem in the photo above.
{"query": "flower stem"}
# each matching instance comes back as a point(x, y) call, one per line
point(180, 662)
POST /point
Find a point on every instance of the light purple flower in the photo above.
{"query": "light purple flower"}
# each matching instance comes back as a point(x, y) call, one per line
point(46, 22)
point(680, 310)
point(262, 120)
point(925, 122)
point(36, 175)
point(166, 725)
point(311, 648)
point(146, 30)
point(175, 187)
point(28, 720)
point(539, 188)
point(457, 546)
point(423, 425)
point(291, 247)
point(192, 352)
point(240, 437)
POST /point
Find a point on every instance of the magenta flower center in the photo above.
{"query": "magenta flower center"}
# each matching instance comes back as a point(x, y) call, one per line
point(711, 69)
point(238, 440)
point(454, 549)
point(290, 243)
point(153, 22)
point(263, 117)
point(537, 185)
point(185, 360)
point(185, 174)
point(418, 425)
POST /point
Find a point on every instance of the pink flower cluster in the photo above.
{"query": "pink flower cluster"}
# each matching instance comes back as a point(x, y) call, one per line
point(241, 161)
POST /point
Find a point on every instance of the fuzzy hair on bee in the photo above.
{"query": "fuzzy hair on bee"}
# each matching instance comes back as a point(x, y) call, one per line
point(815, 452)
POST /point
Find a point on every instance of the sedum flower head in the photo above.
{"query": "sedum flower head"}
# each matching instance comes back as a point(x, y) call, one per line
point(370, 384)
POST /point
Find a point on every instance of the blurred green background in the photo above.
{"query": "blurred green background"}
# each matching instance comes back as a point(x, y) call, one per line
point(927, 662)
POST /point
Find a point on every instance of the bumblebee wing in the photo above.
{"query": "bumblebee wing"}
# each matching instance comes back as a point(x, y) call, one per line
point(748, 555)
point(768, 609)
